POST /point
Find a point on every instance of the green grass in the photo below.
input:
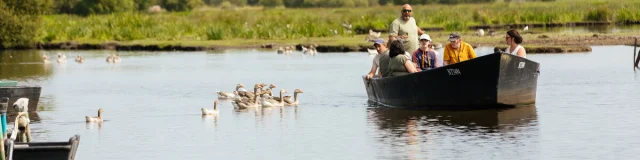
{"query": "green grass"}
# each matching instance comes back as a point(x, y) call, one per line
point(253, 24)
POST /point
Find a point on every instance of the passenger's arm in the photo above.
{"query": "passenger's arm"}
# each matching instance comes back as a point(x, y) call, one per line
point(415, 60)
point(372, 72)
point(393, 32)
point(472, 53)
point(410, 67)
point(445, 58)
point(436, 59)
point(522, 52)
point(420, 31)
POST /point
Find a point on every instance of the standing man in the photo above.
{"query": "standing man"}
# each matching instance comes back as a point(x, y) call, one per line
point(405, 29)
point(457, 50)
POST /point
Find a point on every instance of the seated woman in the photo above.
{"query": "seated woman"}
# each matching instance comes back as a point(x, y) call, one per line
point(399, 64)
point(514, 39)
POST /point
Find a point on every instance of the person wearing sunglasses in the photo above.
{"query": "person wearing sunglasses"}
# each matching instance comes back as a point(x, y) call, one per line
point(514, 39)
point(425, 58)
point(405, 29)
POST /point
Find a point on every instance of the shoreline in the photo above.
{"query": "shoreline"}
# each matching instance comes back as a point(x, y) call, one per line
point(534, 43)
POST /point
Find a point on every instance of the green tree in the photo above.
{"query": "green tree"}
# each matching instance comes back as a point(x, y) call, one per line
point(86, 7)
point(20, 22)
point(181, 5)
point(271, 3)
point(143, 5)
point(65, 6)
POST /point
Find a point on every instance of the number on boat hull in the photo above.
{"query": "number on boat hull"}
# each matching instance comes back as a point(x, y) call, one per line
point(454, 72)
point(521, 65)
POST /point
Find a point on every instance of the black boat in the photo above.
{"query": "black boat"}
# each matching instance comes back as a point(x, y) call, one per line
point(43, 150)
point(16, 92)
point(496, 80)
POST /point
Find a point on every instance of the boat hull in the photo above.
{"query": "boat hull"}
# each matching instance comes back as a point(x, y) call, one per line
point(14, 93)
point(44, 150)
point(491, 81)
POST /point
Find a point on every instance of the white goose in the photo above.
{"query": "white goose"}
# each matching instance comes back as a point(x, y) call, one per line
point(116, 59)
point(62, 58)
point(95, 119)
point(372, 51)
point(45, 59)
point(227, 95)
point(268, 102)
point(213, 112)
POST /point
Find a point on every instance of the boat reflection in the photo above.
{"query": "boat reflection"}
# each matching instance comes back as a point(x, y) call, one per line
point(500, 120)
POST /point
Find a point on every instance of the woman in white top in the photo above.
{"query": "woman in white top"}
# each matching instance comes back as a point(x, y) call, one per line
point(514, 39)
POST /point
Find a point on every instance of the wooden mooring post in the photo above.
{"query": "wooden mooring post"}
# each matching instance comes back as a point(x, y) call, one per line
point(636, 59)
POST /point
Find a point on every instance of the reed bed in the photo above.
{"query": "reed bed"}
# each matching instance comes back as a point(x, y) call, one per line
point(210, 23)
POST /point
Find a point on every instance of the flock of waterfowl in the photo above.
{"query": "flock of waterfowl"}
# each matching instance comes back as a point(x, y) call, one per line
point(242, 100)
point(112, 58)
point(311, 49)
point(260, 98)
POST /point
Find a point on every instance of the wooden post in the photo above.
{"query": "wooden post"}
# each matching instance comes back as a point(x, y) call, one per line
point(635, 46)
point(4, 104)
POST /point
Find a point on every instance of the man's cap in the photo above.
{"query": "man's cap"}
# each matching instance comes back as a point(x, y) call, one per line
point(454, 36)
point(425, 36)
point(378, 41)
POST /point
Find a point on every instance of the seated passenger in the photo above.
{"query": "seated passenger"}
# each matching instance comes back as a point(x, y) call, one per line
point(424, 58)
point(457, 50)
point(399, 64)
point(383, 55)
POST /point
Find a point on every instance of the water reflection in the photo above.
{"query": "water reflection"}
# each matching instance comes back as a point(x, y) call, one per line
point(400, 121)
point(421, 134)
point(24, 66)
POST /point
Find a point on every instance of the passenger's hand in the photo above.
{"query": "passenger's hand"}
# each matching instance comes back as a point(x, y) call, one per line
point(369, 76)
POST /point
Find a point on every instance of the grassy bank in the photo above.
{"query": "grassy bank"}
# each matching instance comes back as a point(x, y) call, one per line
point(213, 24)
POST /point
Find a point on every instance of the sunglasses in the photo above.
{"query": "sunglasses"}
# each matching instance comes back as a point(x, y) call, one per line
point(406, 10)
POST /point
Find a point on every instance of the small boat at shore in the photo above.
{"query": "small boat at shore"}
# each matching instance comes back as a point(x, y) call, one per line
point(497, 80)
point(13, 91)
point(43, 150)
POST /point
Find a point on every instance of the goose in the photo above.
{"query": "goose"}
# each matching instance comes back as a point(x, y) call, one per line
point(79, 59)
point(492, 32)
point(227, 95)
point(347, 26)
point(480, 32)
point(62, 58)
point(95, 119)
point(526, 28)
point(45, 59)
point(372, 51)
point(250, 95)
point(372, 36)
point(268, 91)
point(213, 112)
point(280, 50)
point(242, 104)
point(116, 59)
point(288, 102)
point(268, 102)
point(310, 50)
point(110, 59)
